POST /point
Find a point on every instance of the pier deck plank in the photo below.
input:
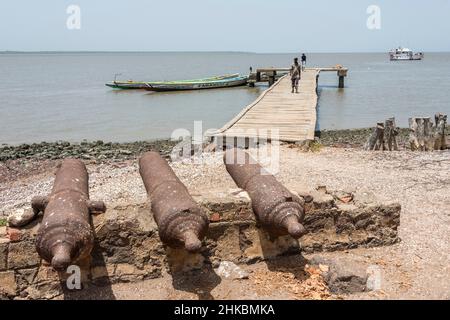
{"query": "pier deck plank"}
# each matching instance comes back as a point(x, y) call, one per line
point(292, 114)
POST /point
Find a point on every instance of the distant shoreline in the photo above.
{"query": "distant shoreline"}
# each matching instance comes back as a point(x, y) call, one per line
point(212, 52)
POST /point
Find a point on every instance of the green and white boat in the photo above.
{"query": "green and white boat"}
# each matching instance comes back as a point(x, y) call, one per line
point(198, 84)
point(130, 84)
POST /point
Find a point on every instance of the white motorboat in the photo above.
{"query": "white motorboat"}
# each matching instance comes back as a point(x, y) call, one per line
point(401, 54)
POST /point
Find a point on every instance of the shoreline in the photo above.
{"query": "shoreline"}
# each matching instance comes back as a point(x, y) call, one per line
point(106, 151)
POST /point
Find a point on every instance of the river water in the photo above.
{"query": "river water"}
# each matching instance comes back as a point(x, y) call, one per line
point(61, 96)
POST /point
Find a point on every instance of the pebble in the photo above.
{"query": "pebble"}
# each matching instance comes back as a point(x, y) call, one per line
point(230, 270)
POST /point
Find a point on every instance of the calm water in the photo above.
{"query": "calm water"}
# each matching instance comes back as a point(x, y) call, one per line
point(61, 96)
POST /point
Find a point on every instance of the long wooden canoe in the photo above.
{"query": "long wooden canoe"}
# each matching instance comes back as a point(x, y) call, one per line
point(130, 84)
point(198, 85)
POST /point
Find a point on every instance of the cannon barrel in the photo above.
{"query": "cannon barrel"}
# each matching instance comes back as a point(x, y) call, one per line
point(276, 208)
point(181, 222)
point(65, 234)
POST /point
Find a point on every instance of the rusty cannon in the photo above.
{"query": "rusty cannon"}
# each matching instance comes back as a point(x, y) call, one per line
point(65, 234)
point(181, 222)
point(276, 208)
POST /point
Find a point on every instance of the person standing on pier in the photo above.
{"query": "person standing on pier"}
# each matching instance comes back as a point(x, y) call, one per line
point(295, 74)
point(303, 61)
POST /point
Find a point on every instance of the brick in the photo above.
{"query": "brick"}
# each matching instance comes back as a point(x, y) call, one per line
point(14, 234)
point(4, 244)
point(22, 255)
point(8, 283)
point(3, 233)
point(215, 217)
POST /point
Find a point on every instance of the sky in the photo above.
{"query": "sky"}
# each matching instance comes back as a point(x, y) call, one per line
point(225, 25)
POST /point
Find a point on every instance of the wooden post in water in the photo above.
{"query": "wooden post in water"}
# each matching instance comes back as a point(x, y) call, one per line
point(271, 76)
point(342, 74)
point(258, 76)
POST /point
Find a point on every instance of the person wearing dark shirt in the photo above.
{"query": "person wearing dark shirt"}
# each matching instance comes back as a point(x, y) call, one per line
point(295, 74)
point(303, 61)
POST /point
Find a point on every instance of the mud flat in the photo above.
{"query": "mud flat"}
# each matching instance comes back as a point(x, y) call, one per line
point(355, 138)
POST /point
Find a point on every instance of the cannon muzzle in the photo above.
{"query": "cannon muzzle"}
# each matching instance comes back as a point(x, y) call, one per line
point(275, 207)
point(65, 234)
point(181, 222)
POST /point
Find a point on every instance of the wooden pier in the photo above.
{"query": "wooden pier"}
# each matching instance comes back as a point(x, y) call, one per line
point(291, 116)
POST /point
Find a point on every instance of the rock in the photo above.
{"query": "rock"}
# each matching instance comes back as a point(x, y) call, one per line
point(239, 193)
point(229, 270)
point(14, 234)
point(26, 276)
point(343, 277)
point(324, 268)
point(215, 217)
point(46, 274)
point(180, 260)
point(4, 243)
point(3, 232)
point(124, 269)
point(8, 284)
point(224, 242)
point(322, 200)
point(125, 152)
point(344, 197)
point(364, 198)
point(346, 207)
point(100, 272)
point(22, 255)
point(21, 217)
point(304, 193)
point(258, 245)
point(45, 290)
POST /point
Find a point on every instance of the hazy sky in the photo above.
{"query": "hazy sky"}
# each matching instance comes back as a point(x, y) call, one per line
point(224, 25)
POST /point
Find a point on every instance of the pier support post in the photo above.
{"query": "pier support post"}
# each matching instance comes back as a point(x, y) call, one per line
point(341, 81)
point(271, 76)
point(342, 74)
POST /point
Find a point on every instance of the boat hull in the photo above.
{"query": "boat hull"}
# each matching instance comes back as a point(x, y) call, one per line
point(134, 85)
point(405, 56)
point(126, 86)
point(198, 86)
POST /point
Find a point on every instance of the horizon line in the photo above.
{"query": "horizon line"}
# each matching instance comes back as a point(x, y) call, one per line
point(189, 51)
